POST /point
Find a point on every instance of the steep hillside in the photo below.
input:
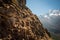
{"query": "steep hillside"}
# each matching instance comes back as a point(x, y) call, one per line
point(19, 23)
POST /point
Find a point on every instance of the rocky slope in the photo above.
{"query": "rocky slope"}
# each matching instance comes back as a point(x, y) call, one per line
point(18, 23)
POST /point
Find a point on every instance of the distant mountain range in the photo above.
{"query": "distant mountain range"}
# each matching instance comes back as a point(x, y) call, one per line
point(51, 20)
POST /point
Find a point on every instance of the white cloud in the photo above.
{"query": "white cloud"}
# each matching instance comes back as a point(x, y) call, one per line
point(46, 16)
point(59, 14)
point(54, 12)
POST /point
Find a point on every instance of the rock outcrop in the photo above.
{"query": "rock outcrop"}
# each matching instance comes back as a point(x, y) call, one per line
point(18, 23)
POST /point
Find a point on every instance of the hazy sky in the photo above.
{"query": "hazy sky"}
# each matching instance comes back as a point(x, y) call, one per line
point(43, 6)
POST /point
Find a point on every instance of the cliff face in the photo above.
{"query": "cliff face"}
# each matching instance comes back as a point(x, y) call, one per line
point(18, 23)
